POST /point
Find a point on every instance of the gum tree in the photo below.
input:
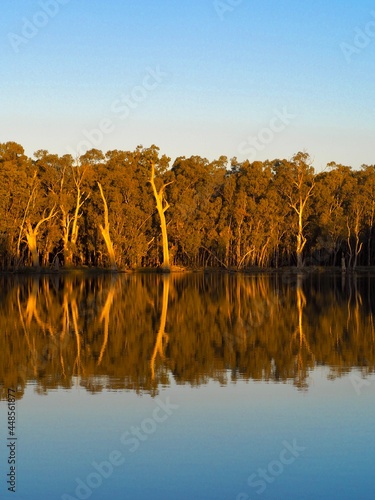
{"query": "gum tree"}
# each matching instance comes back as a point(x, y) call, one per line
point(295, 180)
point(162, 206)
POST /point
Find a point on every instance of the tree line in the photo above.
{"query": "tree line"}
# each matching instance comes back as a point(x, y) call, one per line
point(137, 209)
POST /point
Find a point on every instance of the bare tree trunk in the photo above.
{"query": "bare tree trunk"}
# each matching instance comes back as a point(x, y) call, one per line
point(105, 231)
point(67, 250)
point(31, 243)
point(301, 240)
point(161, 208)
point(358, 243)
point(349, 243)
point(238, 244)
point(227, 246)
point(358, 248)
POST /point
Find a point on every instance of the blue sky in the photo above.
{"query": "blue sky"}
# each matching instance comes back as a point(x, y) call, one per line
point(203, 77)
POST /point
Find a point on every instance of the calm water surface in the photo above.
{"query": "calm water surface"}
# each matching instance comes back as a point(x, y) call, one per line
point(188, 387)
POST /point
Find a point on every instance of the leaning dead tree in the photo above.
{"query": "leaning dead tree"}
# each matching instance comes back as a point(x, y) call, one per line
point(31, 234)
point(105, 231)
point(22, 227)
point(162, 206)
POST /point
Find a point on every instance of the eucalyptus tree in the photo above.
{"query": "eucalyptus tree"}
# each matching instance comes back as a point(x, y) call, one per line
point(195, 209)
point(252, 217)
point(355, 205)
point(158, 178)
point(105, 230)
point(16, 184)
point(368, 189)
point(162, 206)
point(130, 206)
point(295, 181)
point(329, 203)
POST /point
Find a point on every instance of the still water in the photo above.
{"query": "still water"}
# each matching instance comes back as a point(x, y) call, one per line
point(193, 387)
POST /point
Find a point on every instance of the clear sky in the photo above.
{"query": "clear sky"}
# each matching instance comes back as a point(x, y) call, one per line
point(253, 79)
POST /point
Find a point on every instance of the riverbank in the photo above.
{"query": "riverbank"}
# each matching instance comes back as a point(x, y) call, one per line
point(82, 270)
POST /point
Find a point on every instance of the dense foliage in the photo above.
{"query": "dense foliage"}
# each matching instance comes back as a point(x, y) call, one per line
point(99, 210)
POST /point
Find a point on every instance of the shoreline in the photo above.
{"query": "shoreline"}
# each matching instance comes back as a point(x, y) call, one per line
point(84, 271)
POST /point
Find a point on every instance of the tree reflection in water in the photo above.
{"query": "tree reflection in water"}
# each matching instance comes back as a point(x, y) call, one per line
point(110, 331)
